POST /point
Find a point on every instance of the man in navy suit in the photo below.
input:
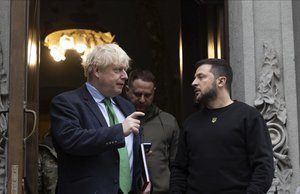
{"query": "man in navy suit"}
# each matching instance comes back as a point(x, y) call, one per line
point(85, 141)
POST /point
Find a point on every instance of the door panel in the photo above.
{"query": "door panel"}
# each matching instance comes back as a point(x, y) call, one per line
point(23, 100)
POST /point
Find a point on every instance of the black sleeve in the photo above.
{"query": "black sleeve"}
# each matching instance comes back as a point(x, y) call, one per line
point(179, 168)
point(260, 152)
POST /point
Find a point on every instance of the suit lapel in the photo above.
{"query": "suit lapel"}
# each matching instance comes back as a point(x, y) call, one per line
point(92, 105)
point(123, 109)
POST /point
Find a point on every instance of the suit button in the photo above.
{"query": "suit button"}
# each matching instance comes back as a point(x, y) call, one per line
point(116, 181)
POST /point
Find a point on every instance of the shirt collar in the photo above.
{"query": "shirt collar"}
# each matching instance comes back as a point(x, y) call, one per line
point(98, 97)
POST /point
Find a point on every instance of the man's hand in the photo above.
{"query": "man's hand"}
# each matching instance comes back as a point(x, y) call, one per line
point(131, 124)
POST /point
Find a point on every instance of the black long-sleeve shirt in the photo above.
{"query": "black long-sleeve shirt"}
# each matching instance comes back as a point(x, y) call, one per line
point(231, 155)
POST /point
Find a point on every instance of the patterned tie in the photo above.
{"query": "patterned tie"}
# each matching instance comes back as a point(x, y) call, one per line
point(124, 178)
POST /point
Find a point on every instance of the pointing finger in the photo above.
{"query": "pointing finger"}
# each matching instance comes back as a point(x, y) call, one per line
point(136, 114)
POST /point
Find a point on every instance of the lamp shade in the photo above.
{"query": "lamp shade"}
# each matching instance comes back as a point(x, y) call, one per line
point(80, 40)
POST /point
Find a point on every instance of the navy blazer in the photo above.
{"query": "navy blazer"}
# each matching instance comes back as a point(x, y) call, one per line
point(88, 159)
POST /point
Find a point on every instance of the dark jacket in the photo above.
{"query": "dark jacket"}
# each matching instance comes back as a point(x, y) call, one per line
point(88, 159)
point(161, 129)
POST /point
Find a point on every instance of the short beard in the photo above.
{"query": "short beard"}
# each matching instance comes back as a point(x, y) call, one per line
point(206, 97)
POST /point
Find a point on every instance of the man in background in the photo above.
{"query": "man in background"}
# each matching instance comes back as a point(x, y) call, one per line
point(47, 166)
point(158, 127)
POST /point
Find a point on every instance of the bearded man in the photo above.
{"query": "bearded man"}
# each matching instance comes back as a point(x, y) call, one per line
point(225, 147)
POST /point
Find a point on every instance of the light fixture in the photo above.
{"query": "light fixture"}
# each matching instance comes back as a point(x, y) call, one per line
point(80, 40)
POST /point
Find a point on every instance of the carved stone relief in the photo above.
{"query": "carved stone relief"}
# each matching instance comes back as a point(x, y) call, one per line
point(271, 105)
point(3, 123)
point(4, 37)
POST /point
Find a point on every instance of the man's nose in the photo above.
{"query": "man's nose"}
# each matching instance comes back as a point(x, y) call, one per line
point(142, 98)
point(124, 74)
point(194, 83)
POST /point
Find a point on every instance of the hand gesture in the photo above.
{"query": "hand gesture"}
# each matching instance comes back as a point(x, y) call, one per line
point(131, 124)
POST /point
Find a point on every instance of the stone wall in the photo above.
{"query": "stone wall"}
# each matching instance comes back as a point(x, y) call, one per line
point(4, 58)
point(261, 42)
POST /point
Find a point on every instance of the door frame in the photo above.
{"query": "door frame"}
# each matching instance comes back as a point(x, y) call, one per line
point(22, 150)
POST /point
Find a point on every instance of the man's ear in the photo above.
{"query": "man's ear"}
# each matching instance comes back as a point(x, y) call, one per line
point(221, 81)
point(154, 92)
point(96, 71)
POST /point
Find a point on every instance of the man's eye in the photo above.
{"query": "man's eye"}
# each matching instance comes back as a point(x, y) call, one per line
point(200, 77)
point(138, 94)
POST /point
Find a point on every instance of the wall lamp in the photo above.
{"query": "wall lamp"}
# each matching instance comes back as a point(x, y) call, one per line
point(80, 40)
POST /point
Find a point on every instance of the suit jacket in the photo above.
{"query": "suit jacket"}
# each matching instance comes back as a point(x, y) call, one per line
point(88, 159)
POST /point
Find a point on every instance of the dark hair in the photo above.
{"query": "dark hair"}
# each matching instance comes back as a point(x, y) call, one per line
point(219, 67)
point(142, 74)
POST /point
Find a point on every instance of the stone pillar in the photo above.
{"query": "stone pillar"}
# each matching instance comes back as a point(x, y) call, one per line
point(4, 61)
point(262, 57)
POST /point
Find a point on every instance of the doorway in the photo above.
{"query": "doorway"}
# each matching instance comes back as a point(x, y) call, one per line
point(151, 34)
point(147, 30)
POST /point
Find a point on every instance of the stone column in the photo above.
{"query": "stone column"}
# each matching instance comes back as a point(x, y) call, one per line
point(4, 63)
point(261, 42)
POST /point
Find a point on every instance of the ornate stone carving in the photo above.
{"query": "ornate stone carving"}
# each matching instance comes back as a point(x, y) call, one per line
point(3, 122)
point(271, 105)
